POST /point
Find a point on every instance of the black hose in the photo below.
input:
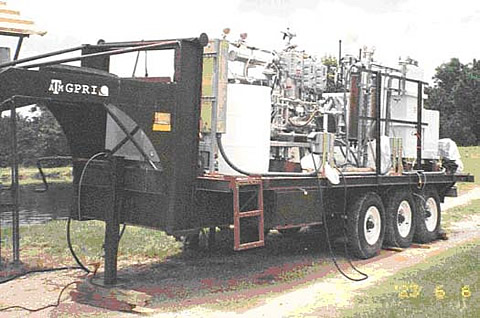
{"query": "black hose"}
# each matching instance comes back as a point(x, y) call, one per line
point(46, 270)
point(70, 247)
point(332, 256)
point(69, 241)
point(345, 226)
point(265, 174)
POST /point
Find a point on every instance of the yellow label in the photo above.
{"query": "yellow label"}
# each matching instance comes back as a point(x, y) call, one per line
point(162, 122)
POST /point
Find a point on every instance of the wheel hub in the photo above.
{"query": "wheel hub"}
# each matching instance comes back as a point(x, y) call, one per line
point(372, 225)
point(404, 218)
point(431, 214)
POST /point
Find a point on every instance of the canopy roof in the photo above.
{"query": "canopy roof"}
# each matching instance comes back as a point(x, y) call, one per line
point(13, 24)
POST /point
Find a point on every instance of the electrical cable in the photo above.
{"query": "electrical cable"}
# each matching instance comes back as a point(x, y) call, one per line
point(79, 191)
point(80, 181)
point(82, 175)
point(332, 256)
point(44, 307)
point(345, 226)
point(70, 247)
point(46, 270)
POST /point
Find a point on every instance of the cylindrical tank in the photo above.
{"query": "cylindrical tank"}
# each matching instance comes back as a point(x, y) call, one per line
point(247, 138)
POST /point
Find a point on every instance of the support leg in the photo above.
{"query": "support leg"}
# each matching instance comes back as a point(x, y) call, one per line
point(112, 223)
point(14, 188)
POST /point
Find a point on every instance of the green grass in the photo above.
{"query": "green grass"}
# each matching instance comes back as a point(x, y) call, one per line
point(46, 245)
point(470, 157)
point(31, 175)
point(448, 285)
point(458, 213)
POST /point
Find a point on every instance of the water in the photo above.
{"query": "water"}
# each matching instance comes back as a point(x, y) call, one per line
point(38, 207)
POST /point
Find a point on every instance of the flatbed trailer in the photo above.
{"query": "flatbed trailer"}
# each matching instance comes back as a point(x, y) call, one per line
point(164, 188)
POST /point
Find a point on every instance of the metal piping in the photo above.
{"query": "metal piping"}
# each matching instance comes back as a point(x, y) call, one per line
point(107, 53)
point(41, 56)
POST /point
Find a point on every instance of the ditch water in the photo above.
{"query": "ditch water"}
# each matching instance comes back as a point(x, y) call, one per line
point(38, 207)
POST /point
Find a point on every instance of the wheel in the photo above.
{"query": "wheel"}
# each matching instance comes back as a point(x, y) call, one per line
point(399, 219)
point(428, 217)
point(366, 225)
point(191, 242)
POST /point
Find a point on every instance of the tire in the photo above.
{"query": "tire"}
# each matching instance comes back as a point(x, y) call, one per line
point(366, 225)
point(400, 219)
point(191, 242)
point(427, 221)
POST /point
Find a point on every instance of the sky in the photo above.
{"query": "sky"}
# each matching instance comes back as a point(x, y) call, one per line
point(430, 31)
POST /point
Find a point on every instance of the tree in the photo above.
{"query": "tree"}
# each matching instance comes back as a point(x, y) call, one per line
point(38, 136)
point(456, 94)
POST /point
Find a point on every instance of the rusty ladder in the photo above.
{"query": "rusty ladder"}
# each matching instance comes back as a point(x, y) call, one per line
point(257, 183)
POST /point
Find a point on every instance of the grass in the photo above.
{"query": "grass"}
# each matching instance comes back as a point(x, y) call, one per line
point(458, 213)
point(425, 290)
point(470, 157)
point(46, 245)
point(31, 175)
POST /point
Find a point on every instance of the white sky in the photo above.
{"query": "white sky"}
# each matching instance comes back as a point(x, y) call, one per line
point(431, 31)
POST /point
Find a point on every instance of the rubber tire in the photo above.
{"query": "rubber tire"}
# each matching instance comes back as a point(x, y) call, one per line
point(392, 235)
point(357, 243)
point(422, 234)
point(191, 242)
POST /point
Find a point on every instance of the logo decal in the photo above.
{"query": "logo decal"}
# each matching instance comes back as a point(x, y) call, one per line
point(57, 87)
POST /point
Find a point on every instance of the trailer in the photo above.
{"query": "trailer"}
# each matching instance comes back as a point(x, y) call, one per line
point(243, 140)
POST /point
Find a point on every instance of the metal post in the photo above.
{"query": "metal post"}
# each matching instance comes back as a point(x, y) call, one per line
point(19, 47)
point(14, 188)
point(112, 222)
point(378, 115)
point(419, 125)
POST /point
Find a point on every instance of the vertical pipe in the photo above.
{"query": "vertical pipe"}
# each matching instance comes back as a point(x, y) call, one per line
point(236, 216)
point(419, 125)
point(14, 189)
point(339, 62)
point(378, 115)
point(19, 46)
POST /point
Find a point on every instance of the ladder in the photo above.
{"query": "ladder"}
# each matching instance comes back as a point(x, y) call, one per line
point(248, 184)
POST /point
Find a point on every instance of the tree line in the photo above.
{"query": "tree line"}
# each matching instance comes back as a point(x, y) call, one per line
point(38, 135)
point(456, 94)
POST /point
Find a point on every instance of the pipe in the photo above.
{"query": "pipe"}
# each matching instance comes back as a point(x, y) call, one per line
point(19, 47)
point(41, 56)
point(107, 53)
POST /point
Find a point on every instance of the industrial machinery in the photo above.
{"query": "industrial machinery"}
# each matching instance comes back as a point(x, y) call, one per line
point(246, 139)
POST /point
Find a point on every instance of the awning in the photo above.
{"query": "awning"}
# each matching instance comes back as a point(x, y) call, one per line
point(13, 24)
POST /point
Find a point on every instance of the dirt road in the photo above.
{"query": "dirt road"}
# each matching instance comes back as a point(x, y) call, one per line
point(300, 298)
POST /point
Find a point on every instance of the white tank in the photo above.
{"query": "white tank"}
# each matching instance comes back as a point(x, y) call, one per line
point(247, 138)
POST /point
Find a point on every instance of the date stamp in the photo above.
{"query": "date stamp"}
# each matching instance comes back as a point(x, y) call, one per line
point(412, 290)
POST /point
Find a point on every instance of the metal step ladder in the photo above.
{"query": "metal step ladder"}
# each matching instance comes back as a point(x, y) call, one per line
point(254, 184)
